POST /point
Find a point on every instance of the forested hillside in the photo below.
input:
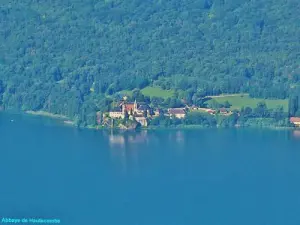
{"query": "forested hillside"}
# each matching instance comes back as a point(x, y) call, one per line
point(65, 56)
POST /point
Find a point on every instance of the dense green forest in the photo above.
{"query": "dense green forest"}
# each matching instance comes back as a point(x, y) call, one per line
point(68, 56)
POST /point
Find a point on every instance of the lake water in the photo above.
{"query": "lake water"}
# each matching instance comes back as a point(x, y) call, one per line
point(203, 177)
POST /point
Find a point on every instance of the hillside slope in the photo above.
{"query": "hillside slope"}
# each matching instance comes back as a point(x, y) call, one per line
point(63, 56)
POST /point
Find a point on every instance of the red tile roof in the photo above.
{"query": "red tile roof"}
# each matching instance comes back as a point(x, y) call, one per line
point(295, 119)
point(129, 107)
point(176, 111)
point(223, 110)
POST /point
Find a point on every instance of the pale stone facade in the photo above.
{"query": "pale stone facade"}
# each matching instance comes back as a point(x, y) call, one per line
point(116, 114)
point(177, 112)
point(142, 121)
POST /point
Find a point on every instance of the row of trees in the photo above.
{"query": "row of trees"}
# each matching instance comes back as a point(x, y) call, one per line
point(246, 117)
point(294, 102)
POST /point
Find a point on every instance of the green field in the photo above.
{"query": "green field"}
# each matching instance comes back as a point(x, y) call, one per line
point(152, 92)
point(126, 92)
point(157, 92)
point(239, 101)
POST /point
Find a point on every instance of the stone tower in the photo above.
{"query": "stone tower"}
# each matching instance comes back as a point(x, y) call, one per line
point(135, 106)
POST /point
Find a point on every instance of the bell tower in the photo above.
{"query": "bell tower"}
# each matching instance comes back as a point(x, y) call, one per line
point(135, 106)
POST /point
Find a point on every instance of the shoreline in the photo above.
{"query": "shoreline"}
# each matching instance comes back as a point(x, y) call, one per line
point(46, 114)
point(68, 122)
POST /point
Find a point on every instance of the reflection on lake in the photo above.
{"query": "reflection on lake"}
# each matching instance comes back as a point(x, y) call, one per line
point(125, 147)
point(296, 134)
point(129, 148)
point(208, 176)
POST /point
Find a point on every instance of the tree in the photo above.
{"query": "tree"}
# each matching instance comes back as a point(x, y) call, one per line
point(293, 105)
point(145, 113)
point(155, 121)
point(191, 45)
point(246, 112)
point(56, 73)
point(156, 101)
point(227, 104)
point(176, 121)
point(138, 96)
point(167, 122)
point(261, 110)
point(213, 104)
point(2, 88)
point(200, 119)
point(91, 119)
point(278, 113)
point(126, 116)
point(297, 114)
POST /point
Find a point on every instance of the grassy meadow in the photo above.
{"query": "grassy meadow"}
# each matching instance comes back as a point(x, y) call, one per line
point(237, 101)
point(152, 92)
point(157, 92)
point(243, 100)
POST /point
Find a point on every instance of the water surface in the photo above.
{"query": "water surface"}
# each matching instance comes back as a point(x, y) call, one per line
point(209, 176)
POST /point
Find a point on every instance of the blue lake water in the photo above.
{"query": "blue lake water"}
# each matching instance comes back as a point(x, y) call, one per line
point(203, 177)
